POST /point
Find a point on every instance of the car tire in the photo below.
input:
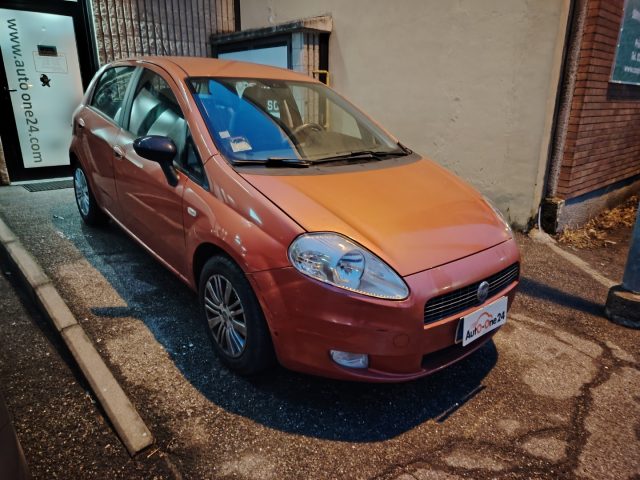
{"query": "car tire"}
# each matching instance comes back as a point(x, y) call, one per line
point(233, 318)
point(85, 201)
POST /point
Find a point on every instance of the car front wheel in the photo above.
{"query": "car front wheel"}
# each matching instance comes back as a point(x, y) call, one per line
point(233, 318)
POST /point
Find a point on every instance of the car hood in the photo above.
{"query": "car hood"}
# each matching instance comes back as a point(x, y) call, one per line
point(410, 212)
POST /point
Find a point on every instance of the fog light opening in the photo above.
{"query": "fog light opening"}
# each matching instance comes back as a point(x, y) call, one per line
point(350, 360)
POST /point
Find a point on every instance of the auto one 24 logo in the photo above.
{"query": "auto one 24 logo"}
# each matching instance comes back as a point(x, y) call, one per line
point(484, 322)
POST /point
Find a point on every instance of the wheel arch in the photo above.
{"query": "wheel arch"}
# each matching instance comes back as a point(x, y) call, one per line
point(74, 161)
point(204, 252)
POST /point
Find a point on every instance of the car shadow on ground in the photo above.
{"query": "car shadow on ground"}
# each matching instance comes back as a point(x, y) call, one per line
point(533, 288)
point(279, 399)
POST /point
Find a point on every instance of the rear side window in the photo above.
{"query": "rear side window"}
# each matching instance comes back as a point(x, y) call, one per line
point(108, 96)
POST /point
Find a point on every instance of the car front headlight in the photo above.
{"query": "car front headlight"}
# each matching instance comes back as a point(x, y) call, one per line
point(338, 261)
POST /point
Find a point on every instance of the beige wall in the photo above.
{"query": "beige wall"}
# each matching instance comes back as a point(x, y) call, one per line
point(469, 83)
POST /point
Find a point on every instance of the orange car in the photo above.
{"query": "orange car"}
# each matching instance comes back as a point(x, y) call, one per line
point(312, 236)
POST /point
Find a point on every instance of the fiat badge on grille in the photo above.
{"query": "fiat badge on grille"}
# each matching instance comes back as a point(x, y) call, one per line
point(483, 291)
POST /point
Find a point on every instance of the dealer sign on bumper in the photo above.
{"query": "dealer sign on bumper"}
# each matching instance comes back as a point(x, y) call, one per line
point(484, 320)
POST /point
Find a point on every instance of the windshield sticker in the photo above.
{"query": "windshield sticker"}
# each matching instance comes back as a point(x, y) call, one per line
point(273, 108)
point(224, 134)
point(239, 144)
point(242, 86)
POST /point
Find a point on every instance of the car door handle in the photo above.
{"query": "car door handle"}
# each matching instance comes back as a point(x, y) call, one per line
point(192, 211)
point(117, 151)
point(81, 122)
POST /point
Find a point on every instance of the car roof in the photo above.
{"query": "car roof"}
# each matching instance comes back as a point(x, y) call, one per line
point(213, 67)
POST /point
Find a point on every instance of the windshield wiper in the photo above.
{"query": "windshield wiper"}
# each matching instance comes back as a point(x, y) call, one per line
point(275, 162)
point(285, 162)
point(363, 155)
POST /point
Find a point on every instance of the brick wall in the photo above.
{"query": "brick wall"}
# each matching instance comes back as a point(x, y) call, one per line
point(602, 144)
point(159, 27)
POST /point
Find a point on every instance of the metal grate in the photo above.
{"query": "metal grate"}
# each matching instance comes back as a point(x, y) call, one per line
point(466, 297)
point(46, 186)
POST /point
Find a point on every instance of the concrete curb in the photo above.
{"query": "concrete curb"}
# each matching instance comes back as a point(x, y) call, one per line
point(545, 238)
point(126, 420)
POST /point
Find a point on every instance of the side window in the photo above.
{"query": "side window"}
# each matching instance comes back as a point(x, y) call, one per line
point(108, 96)
point(155, 111)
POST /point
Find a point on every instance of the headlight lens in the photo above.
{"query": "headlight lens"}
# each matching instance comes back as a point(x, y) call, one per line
point(336, 260)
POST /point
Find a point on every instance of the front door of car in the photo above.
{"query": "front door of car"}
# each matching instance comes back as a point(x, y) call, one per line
point(152, 208)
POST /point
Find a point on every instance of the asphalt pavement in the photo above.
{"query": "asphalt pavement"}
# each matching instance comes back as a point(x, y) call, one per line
point(555, 395)
point(61, 428)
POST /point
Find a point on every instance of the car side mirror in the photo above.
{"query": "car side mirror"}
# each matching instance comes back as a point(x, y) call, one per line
point(158, 148)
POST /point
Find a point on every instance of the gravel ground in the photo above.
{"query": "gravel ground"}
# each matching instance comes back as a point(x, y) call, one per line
point(554, 396)
point(61, 429)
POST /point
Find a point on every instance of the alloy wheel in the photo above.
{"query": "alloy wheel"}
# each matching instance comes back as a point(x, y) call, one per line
point(81, 191)
point(225, 315)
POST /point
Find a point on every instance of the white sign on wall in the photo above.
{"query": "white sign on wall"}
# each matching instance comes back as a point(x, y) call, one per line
point(41, 62)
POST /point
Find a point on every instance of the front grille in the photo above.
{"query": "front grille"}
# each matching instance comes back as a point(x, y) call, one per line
point(466, 297)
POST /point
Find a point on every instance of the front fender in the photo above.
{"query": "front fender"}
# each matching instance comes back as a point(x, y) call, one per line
point(237, 219)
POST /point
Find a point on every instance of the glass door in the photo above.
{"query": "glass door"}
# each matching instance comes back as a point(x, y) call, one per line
point(43, 84)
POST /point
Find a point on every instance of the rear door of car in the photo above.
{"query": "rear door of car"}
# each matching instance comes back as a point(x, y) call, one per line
point(153, 209)
point(98, 126)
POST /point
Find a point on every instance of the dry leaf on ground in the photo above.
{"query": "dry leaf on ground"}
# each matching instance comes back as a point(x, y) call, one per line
point(594, 232)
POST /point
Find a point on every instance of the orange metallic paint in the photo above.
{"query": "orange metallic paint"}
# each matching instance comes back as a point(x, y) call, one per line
point(150, 206)
point(427, 224)
point(414, 216)
point(311, 318)
point(96, 149)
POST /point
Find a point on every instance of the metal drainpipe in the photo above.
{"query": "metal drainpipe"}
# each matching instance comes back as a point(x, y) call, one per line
point(569, 75)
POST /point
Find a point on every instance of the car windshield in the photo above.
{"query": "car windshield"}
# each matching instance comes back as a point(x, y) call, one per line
point(280, 121)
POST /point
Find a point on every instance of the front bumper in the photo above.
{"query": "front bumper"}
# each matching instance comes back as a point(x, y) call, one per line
point(308, 318)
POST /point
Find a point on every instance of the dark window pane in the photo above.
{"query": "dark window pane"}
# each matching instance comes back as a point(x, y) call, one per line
point(155, 111)
point(108, 96)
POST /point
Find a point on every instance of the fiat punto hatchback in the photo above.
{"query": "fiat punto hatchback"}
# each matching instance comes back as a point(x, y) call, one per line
point(312, 236)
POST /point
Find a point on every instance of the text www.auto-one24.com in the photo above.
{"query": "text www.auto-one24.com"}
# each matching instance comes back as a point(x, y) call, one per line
point(23, 85)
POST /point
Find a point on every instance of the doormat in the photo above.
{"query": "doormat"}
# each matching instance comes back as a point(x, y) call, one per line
point(46, 186)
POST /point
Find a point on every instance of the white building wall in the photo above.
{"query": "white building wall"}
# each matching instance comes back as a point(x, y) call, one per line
point(469, 83)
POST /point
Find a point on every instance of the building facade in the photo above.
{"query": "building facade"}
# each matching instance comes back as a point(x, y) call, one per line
point(515, 96)
point(534, 102)
point(125, 28)
point(50, 50)
point(595, 157)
